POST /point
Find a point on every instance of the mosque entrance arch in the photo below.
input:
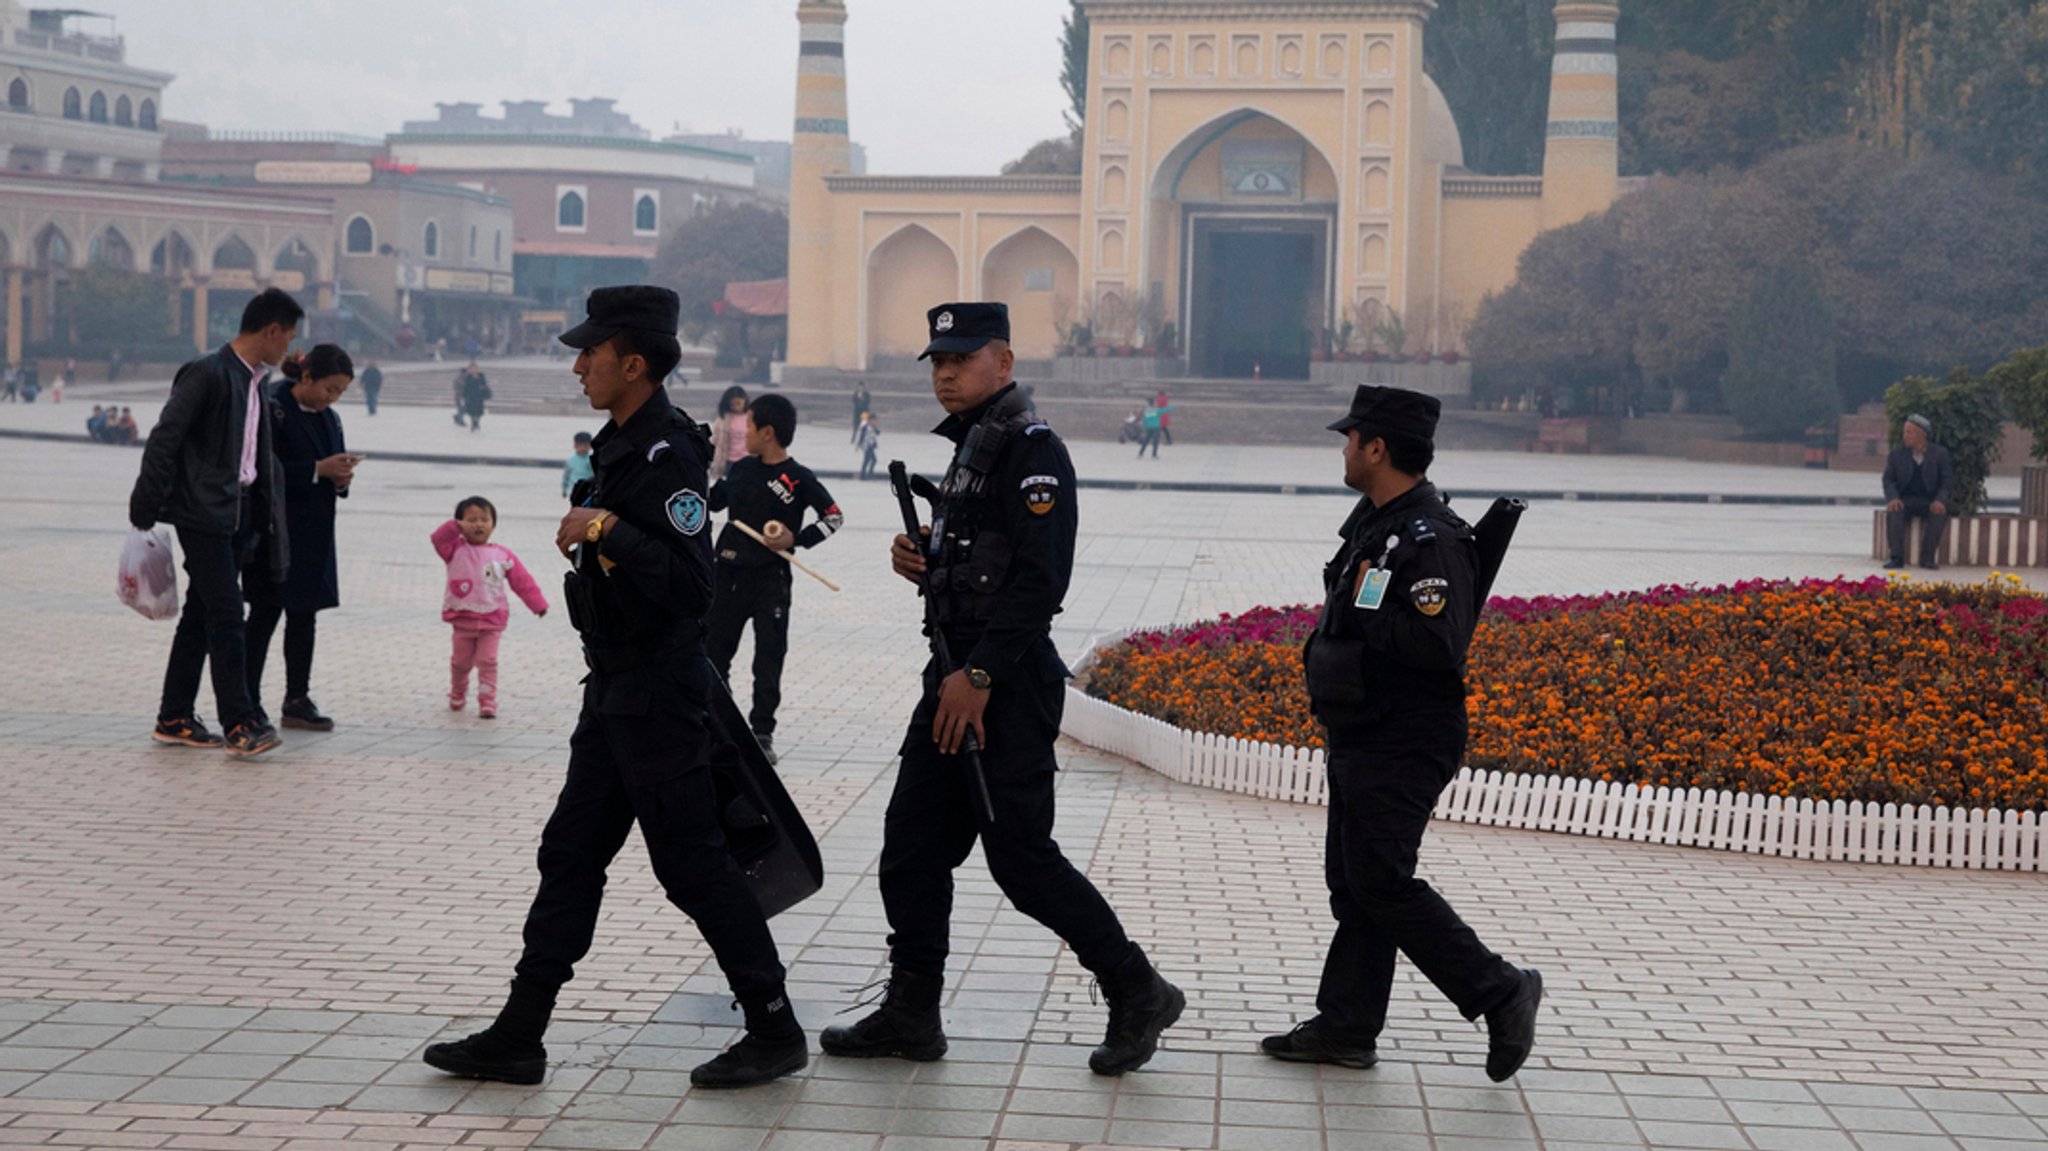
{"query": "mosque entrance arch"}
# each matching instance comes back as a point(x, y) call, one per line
point(1244, 219)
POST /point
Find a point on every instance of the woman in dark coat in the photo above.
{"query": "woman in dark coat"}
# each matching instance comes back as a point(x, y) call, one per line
point(317, 469)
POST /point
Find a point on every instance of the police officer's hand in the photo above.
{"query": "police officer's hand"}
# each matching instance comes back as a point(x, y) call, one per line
point(576, 526)
point(960, 708)
point(906, 557)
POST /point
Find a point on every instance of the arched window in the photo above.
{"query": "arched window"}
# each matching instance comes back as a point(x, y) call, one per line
point(98, 112)
point(111, 249)
point(646, 213)
point(431, 243)
point(74, 105)
point(53, 249)
point(17, 95)
point(569, 210)
point(361, 238)
point(124, 112)
point(145, 118)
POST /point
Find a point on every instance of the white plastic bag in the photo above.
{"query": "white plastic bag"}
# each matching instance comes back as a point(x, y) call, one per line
point(148, 580)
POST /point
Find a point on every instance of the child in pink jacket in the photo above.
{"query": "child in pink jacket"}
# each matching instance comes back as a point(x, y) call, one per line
point(475, 601)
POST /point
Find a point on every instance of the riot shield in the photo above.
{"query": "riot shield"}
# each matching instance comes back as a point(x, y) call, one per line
point(763, 829)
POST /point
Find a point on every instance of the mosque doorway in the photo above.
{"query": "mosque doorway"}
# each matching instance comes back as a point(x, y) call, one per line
point(1257, 295)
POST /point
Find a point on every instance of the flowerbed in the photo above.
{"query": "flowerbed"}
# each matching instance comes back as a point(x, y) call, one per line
point(1825, 689)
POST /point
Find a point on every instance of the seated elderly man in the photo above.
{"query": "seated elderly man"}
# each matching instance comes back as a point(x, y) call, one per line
point(1918, 480)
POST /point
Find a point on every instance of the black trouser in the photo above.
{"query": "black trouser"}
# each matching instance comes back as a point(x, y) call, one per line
point(298, 650)
point(1149, 440)
point(639, 753)
point(760, 596)
point(867, 464)
point(211, 628)
point(934, 818)
point(1383, 788)
point(1930, 532)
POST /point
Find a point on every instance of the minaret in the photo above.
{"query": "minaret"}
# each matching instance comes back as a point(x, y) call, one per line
point(819, 150)
point(1582, 152)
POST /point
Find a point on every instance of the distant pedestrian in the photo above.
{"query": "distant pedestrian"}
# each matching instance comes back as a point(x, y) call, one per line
point(317, 469)
point(123, 428)
point(862, 403)
point(69, 378)
point(31, 382)
point(11, 380)
point(729, 431)
point(472, 392)
point(210, 471)
point(1148, 427)
point(475, 603)
point(372, 381)
point(96, 425)
point(578, 468)
point(870, 442)
point(114, 361)
point(1165, 407)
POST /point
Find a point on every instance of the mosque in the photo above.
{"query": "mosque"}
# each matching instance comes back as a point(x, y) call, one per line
point(1256, 176)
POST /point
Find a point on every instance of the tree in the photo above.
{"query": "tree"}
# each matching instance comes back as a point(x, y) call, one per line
point(114, 308)
point(1492, 60)
point(1057, 156)
point(2023, 380)
point(1781, 355)
point(1074, 66)
point(727, 244)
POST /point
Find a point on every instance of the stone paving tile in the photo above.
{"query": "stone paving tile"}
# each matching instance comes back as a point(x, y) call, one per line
point(268, 946)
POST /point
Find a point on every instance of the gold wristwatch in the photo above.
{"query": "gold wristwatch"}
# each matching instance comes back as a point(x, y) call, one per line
point(978, 679)
point(594, 530)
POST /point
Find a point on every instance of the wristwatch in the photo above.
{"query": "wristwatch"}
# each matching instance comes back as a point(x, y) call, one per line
point(978, 679)
point(594, 530)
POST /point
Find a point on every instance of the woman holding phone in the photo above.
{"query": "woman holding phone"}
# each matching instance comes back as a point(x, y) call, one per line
point(317, 468)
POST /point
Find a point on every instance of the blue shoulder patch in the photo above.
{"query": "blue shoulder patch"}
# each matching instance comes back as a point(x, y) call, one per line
point(687, 512)
point(1421, 531)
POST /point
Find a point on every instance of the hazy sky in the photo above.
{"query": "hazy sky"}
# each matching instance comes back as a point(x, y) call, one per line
point(935, 86)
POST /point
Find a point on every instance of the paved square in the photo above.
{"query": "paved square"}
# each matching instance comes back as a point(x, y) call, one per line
point(199, 953)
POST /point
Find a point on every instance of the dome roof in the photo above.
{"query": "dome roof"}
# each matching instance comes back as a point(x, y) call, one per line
point(1441, 143)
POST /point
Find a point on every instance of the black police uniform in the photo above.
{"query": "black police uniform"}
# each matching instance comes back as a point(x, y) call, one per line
point(751, 584)
point(1386, 677)
point(1000, 557)
point(641, 747)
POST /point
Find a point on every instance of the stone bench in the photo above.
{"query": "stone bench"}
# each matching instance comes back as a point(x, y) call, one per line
point(1992, 539)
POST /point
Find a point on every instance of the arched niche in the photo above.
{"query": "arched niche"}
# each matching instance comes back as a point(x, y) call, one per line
point(1192, 171)
point(1333, 57)
point(1115, 185)
point(1372, 253)
point(1116, 122)
point(1202, 58)
point(173, 257)
point(1112, 249)
point(1039, 278)
point(1379, 58)
point(1376, 188)
point(53, 250)
point(1379, 123)
point(234, 254)
point(1118, 61)
point(907, 273)
point(111, 249)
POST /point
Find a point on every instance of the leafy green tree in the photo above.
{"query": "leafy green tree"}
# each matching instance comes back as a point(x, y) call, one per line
point(725, 245)
point(1492, 60)
point(2023, 380)
point(1968, 418)
point(1056, 156)
point(113, 308)
point(1074, 66)
point(1781, 355)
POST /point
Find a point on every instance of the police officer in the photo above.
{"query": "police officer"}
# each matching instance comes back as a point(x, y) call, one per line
point(641, 584)
point(1386, 677)
point(1000, 553)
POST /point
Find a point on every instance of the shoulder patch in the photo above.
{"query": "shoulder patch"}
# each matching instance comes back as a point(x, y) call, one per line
point(1421, 530)
point(1036, 430)
point(687, 511)
point(659, 447)
point(1041, 493)
point(1428, 595)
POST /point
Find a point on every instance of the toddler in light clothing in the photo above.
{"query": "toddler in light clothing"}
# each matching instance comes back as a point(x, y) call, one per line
point(474, 601)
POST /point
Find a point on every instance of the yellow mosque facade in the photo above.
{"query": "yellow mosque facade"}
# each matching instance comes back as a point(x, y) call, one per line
point(1257, 176)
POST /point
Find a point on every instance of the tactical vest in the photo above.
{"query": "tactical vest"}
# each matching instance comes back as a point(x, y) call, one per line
point(969, 552)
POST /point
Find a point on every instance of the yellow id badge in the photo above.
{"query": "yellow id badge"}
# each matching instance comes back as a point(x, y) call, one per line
point(1373, 588)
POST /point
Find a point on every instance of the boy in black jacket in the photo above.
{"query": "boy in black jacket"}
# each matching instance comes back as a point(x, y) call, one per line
point(768, 491)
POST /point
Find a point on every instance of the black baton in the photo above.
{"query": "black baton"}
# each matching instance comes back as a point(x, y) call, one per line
point(899, 479)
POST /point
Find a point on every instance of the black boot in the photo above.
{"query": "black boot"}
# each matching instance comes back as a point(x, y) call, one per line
point(905, 1026)
point(509, 1050)
point(1511, 1028)
point(773, 1047)
point(1141, 1005)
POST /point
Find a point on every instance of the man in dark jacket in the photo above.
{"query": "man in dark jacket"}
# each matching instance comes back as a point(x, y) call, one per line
point(1386, 677)
point(1919, 480)
point(209, 470)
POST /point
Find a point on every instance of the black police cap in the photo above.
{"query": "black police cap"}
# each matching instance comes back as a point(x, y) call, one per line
point(641, 307)
point(1391, 411)
point(963, 328)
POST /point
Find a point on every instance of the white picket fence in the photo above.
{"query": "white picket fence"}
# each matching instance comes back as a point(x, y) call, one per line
point(1919, 836)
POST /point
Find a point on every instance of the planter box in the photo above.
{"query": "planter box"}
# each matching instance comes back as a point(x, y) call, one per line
point(1993, 539)
point(1578, 435)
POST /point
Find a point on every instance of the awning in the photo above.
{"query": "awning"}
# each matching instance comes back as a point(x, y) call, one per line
point(756, 298)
